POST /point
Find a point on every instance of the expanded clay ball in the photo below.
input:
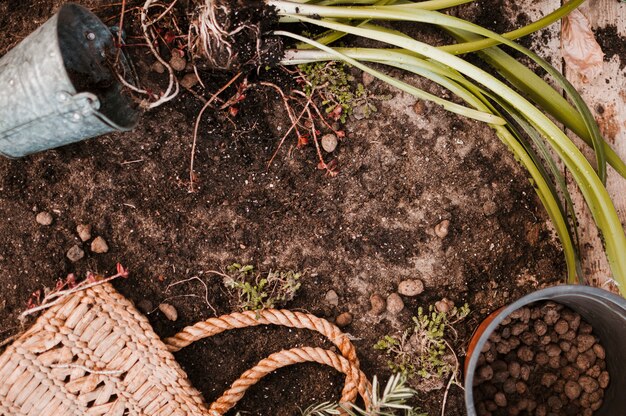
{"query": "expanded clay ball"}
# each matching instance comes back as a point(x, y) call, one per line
point(542, 360)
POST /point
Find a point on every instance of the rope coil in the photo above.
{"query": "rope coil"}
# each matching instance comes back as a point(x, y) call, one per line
point(346, 363)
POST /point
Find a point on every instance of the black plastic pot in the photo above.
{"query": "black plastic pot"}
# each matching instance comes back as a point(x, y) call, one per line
point(603, 310)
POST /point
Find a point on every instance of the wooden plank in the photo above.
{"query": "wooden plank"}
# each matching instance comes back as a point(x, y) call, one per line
point(605, 12)
point(607, 98)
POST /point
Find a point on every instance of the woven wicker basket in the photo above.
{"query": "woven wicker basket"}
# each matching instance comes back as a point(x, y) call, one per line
point(95, 354)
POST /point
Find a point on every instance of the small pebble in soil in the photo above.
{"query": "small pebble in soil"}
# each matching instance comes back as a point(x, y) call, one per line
point(367, 79)
point(444, 305)
point(158, 67)
point(177, 62)
point(551, 363)
point(378, 304)
point(84, 231)
point(75, 253)
point(394, 304)
point(419, 107)
point(332, 298)
point(99, 245)
point(411, 287)
point(169, 311)
point(44, 218)
point(189, 81)
point(490, 208)
point(442, 229)
point(329, 142)
point(344, 319)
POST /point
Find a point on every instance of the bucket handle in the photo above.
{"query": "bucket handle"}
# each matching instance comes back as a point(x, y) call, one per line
point(347, 362)
point(71, 107)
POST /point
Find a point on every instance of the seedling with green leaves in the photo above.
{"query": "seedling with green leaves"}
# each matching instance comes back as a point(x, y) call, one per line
point(339, 93)
point(253, 291)
point(421, 353)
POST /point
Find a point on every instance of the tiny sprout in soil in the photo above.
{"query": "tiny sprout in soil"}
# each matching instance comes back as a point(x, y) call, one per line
point(422, 353)
point(253, 291)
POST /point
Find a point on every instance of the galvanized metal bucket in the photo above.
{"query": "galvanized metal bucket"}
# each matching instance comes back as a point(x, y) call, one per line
point(58, 86)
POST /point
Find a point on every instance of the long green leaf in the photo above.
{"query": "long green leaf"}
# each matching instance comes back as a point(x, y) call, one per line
point(591, 186)
point(469, 93)
point(426, 5)
point(479, 44)
point(544, 95)
point(560, 182)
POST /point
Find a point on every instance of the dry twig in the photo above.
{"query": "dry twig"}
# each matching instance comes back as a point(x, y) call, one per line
point(206, 290)
point(59, 295)
point(197, 125)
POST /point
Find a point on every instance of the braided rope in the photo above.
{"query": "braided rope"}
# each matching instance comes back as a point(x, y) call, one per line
point(280, 317)
point(356, 381)
point(288, 357)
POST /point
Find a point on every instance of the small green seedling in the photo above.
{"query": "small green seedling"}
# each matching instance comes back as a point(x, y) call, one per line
point(254, 292)
point(336, 88)
point(421, 353)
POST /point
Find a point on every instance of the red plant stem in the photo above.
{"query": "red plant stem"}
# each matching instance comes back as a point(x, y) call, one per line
point(195, 130)
point(119, 31)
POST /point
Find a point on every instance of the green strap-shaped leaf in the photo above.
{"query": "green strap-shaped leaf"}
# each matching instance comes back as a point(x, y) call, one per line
point(590, 184)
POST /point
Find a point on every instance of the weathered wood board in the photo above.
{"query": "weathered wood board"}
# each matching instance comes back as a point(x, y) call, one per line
point(606, 96)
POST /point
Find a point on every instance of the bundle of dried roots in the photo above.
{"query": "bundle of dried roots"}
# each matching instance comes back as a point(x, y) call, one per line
point(233, 34)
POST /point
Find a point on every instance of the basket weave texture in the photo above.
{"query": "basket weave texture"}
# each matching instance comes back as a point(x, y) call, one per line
point(94, 354)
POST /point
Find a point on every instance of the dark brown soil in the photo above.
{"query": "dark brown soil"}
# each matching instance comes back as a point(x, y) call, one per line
point(402, 172)
point(612, 44)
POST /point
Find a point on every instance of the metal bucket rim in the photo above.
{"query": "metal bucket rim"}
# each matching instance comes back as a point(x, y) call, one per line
point(74, 10)
point(550, 293)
